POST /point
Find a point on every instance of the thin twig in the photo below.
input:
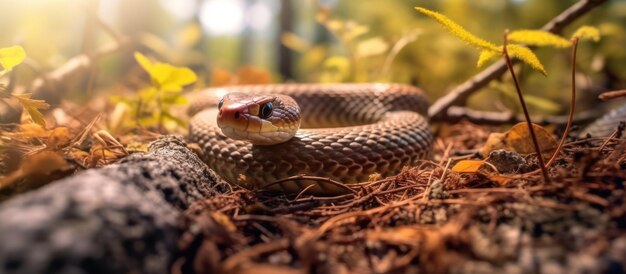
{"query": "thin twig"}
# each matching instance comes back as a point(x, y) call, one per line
point(507, 59)
point(572, 104)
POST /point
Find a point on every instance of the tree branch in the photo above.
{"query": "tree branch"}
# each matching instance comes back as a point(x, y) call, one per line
point(456, 113)
point(459, 95)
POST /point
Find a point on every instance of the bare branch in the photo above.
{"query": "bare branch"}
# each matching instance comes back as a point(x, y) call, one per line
point(456, 113)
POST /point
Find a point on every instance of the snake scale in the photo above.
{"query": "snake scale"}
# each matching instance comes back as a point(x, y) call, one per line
point(348, 132)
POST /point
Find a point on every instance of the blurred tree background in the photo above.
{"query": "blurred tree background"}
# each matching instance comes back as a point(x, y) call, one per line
point(317, 41)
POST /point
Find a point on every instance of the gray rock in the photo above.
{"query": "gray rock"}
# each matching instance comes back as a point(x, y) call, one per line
point(119, 219)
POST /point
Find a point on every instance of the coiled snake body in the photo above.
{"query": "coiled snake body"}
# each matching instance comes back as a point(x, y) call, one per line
point(349, 132)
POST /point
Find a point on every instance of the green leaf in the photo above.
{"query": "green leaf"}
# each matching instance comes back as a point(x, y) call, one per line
point(538, 38)
point(458, 31)
point(485, 56)
point(11, 57)
point(32, 107)
point(527, 56)
point(588, 33)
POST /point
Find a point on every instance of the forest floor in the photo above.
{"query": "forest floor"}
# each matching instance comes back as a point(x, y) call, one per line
point(428, 218)
point(431, 218)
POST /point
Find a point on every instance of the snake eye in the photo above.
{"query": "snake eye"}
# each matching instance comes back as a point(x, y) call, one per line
point(266, 110)
point(219, 105)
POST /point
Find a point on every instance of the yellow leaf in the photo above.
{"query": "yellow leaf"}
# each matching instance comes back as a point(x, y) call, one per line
point(144, 62)
point(352, 29)
point(32, 107)
point(11, 57)
point(189, 36)
point(166, 76)
point(468, 166)
point(485, 56)
point(587, 32)
point(458, 31)
point(336, 69)
point(370, 47)
point(178, 77)
point(527, 56)
point(294, 42)
point(538, 38)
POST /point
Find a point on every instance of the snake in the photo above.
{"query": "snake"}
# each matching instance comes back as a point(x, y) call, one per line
point(295, 137)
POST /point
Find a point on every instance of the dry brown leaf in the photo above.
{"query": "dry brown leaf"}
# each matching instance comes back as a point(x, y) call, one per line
point(54, 138)
point(468, 166)
point(35, 170)
point(221, 77)
point(106, 149)
point(518, 139)
point(499, 179)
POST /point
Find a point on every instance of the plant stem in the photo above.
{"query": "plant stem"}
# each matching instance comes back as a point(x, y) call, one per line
point(572, 103)
point(507, 59)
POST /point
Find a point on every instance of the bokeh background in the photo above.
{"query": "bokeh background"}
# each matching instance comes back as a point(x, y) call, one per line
point(318, 41)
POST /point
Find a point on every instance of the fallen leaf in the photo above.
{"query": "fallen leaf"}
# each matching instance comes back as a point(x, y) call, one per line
point(499, 179)
point(34, 171)
point(518, 139)
point(223, 220)
point(468, 166)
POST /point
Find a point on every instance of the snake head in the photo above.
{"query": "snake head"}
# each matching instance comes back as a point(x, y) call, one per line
point(259, 119)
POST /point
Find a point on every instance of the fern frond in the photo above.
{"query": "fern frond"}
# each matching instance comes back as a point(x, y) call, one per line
point(458, 31)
